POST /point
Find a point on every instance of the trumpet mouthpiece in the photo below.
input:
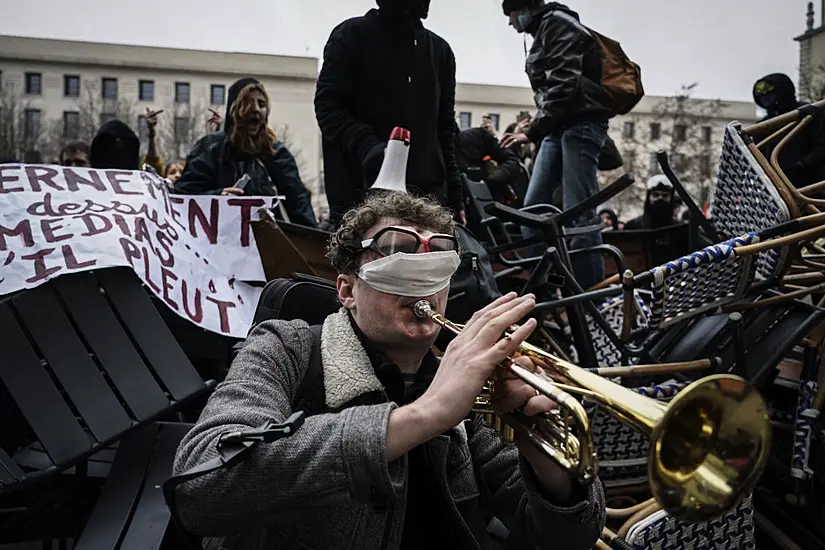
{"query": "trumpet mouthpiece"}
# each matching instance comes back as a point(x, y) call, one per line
point(423, 309)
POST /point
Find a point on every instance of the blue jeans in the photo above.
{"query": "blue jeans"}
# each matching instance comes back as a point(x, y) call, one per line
point(571, 160)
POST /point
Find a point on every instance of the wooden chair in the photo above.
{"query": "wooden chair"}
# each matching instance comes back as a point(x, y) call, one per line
point(90, 364)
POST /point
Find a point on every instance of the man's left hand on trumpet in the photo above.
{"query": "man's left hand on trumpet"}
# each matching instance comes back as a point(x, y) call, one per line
point(513, 394)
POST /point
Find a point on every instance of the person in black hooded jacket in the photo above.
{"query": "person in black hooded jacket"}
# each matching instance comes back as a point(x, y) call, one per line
point(803, 159)
point(115, 146)
point(380, 71)
point(247, 146)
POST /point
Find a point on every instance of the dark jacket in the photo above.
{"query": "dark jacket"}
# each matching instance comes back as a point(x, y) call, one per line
point(803, 159)
point(476, 143)
point(330, 486)
point(650, 220)
point(115, 146)
point(213, 166)
point(564, 67)
point(380, 72)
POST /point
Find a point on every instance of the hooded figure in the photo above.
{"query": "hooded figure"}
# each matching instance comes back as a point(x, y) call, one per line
point(803, 159)
point(381, 71)
point(247, 147)
point(659, 206)
point(115, 147)
point(414, 9)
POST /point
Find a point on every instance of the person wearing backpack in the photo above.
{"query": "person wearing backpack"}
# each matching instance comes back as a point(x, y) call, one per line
point(573, 109)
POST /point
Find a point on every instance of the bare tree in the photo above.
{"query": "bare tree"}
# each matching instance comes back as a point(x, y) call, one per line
point(180, 126)
point(22, 127)
point(812, 84)
point(683, 127)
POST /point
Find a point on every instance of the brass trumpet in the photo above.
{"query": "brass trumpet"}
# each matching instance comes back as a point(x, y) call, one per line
point(708, 446)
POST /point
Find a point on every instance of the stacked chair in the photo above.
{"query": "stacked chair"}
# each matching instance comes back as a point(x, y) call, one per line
point(746, 301)
point(93, 384)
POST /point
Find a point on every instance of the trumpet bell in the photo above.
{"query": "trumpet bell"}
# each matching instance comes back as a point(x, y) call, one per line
point(710, 447)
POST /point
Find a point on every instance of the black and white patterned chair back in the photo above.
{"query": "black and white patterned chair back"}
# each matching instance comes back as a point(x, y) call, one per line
point(661, 531)
point(746, 201)
point(622, 451)
point(701, 281)
point(607, 354)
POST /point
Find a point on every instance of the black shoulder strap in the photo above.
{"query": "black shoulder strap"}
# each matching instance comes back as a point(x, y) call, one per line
point(310, 396)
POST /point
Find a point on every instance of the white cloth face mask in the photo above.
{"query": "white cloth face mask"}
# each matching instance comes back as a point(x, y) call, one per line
point(414, 275)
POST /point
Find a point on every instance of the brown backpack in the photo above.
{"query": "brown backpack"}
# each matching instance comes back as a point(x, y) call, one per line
point(621, 77)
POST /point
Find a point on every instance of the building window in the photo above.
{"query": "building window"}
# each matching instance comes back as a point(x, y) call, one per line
point(181, 129)
point(107, 117)
point(34, 83)
point(653, 163)
point(71, 124)
point(181, 92)
point(465, 120)
point(629, 130)
point(655, 131)
point(109, 88)
point(71, 85)
point(704, 166)
point(629, 158)
point(496, 120)
point(679, 133)
point(680, 162)
point(707, 134)
point(146, 90)
point(31, 124)
point(217, 94)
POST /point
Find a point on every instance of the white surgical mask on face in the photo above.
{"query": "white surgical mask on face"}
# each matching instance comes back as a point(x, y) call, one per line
point(415, 275)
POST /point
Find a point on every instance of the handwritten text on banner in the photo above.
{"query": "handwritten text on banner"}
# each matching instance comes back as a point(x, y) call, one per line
point(193, 252)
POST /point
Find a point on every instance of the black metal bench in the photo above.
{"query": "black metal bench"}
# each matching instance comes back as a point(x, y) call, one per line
point(89, 363)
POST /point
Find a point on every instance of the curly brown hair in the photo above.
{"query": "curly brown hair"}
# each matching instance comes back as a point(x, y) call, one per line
point(401, 207)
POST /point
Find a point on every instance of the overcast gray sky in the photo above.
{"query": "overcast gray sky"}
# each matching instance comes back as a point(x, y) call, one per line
point(724, 45)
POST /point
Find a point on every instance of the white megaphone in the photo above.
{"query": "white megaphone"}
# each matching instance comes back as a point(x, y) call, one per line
point(393, 174)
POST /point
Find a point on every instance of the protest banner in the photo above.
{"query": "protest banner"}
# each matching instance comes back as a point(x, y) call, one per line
point(196, 253)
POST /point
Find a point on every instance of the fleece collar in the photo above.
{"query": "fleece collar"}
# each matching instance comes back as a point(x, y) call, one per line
point(348, 372)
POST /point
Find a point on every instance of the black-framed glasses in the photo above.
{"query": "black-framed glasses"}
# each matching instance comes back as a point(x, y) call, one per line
point(391, 240)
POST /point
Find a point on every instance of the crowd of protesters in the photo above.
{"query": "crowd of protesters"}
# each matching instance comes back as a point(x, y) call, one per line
point(384, 70)
point(363, 92)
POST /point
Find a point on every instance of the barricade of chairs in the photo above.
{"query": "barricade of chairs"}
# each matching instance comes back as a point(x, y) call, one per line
point(97, 389)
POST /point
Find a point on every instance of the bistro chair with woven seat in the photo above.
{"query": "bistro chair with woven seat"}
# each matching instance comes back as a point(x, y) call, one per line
point(756, 150)
point(622, 450)
point(661, 531)
point(89, 364)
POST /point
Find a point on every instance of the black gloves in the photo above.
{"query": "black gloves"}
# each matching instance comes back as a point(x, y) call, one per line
point(371, 165)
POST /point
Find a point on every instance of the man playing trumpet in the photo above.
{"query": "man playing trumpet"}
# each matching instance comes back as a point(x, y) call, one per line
point(395, 459)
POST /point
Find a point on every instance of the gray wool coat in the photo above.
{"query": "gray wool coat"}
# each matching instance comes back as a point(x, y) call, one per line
point(320, 489)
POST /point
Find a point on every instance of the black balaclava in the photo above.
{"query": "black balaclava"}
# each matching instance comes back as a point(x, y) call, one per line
point(416, 9)
point(659, 211)
point(234, 91)
point(776, 94)
point(115, 147)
